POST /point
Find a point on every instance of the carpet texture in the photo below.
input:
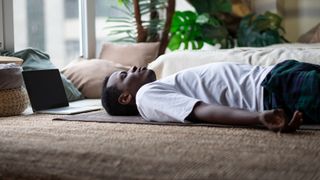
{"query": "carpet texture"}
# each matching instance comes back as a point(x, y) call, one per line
point(35, 147)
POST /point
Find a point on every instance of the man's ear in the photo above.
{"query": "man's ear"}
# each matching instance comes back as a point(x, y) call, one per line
point(125, 98)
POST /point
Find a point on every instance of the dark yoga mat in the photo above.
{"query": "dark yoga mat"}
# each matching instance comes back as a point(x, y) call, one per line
point(103, 117)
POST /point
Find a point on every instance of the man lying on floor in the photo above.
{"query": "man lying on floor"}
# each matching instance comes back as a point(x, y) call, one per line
point(279, 97)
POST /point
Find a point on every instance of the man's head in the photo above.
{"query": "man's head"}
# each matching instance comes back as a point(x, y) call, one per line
point(119, 90)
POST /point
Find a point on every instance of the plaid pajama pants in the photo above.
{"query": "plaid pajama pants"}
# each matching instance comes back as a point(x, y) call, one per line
point(293, 85)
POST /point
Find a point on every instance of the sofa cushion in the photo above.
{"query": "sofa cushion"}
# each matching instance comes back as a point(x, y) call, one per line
point(88, 75)
point(138, 54)
point(312, 36)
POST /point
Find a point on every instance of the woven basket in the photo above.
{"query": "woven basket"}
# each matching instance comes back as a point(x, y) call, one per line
point(8, 59)
point(13, 101)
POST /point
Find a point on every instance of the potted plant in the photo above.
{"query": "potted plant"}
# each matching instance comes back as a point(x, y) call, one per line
point(137, 28)
point(203, 26)
point(260, 30)
point(214, 22)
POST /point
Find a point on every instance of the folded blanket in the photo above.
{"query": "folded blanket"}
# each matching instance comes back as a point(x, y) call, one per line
point(173, 62)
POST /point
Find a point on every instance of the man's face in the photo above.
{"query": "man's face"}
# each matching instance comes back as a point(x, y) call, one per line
point(132, 79)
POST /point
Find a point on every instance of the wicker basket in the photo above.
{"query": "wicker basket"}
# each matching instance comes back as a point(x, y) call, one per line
point(8, 59)
point(13, 101)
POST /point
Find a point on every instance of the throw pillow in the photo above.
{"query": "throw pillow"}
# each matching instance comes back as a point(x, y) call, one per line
point(312, 36)
point(88, 75)
point(138, 54)
point(7, 59)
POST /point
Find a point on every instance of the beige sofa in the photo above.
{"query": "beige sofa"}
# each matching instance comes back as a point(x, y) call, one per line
point(173, 62)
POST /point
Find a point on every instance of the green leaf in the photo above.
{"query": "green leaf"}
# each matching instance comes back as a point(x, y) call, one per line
point(260, 30)
point(274, 19)
point(188, 28)
point(184, 30)
point(197, 44)
point(175, 42)
point(203, 18)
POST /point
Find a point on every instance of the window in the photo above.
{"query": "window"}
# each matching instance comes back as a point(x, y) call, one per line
point(104, 9)
point(52, 26)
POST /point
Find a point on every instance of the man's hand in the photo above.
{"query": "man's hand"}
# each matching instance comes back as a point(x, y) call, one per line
point(277, 121)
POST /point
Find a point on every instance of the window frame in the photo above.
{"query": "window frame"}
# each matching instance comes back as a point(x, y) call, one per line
point(87, 27)
point(6, 25)
point(1, 26)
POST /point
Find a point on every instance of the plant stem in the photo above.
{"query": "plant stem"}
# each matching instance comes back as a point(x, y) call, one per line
point(165, 33)
point(142, 33)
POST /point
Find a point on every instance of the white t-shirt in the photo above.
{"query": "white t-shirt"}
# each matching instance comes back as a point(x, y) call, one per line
point(172, 99)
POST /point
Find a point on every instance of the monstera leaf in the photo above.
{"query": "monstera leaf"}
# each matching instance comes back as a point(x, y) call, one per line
point(217, 35)
point(189, 28)
point(185, 30)
point(195, 28)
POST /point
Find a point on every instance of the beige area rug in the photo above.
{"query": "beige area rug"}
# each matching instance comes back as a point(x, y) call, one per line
point(103, 117)
point(35, 147)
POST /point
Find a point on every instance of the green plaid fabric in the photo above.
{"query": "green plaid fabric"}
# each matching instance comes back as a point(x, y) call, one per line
point(294, 85)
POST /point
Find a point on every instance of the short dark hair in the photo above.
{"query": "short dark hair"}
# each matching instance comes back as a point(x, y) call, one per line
point(109, 100)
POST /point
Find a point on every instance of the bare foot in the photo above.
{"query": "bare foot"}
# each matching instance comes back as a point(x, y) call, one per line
point(277, 121)
point(294, 123)
point(274, 119)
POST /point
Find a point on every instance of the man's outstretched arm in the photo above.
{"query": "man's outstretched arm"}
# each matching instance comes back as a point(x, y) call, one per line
point(274, 119)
